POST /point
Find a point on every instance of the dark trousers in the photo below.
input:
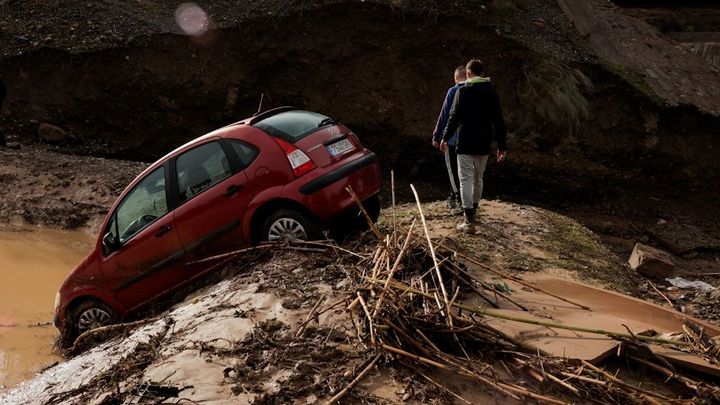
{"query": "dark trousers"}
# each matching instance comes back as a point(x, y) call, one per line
point(452, 168)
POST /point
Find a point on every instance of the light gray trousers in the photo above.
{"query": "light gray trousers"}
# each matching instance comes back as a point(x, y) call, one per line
point(470, 171)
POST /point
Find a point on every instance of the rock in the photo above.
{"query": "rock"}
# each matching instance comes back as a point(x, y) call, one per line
point(53, 134)
point(683, 238)
point(651, 262)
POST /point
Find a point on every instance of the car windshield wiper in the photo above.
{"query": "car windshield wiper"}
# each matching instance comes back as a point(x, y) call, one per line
point(326, 121)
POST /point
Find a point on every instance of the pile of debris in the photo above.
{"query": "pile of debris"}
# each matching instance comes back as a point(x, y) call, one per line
point(396, 316)
point(411, 301)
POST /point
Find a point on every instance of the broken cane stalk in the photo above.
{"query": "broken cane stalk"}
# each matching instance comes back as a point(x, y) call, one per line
point(486, 312)
point(515, 279)
point(370, 222)
point(434, 257)
point(394, 268)
point(309, 317)
point(355, 381)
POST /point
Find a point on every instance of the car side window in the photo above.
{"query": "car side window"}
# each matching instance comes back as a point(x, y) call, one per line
point(245, 153)
point(201, 168)
point(141, 207)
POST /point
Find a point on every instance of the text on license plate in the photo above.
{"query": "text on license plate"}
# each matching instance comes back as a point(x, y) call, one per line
point(339, 147)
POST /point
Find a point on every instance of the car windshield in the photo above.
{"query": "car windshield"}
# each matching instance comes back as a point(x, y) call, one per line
point(293, 125)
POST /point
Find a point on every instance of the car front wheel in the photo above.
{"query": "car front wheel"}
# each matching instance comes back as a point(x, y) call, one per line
point(288, 224)
point(90, 315)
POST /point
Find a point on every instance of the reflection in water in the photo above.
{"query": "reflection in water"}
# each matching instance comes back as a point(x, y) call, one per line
point(33, 263)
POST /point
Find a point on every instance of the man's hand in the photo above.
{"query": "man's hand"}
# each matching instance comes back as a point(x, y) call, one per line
point(436, 145)
point(501, 156)
point(443, 146)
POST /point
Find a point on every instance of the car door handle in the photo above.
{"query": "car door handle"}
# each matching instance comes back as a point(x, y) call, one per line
point(162, 231)
point(232, 190)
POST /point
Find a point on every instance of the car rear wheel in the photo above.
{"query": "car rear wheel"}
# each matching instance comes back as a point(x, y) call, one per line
point(91, 315)
point(288, 224)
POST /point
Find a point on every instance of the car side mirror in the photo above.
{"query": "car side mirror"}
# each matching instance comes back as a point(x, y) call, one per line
point(110, 243)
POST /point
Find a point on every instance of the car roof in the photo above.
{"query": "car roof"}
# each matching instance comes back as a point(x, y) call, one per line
point(243, 125)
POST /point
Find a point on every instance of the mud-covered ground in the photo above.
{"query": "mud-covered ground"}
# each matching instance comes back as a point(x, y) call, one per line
point(42, 187)
point(272, 326)
point(124, 82)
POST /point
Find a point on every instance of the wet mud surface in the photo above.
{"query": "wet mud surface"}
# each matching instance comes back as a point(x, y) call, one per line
point(33, 264)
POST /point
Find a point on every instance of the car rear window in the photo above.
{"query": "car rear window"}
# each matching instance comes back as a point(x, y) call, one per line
point(293, 125)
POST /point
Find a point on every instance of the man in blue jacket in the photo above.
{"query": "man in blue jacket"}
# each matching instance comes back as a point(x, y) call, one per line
point(450, 156)
point(476, 116)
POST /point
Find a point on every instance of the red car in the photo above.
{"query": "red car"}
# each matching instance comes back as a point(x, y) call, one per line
point(280, 174)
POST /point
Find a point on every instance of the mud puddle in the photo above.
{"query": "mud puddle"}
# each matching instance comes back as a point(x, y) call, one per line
point(33, 263)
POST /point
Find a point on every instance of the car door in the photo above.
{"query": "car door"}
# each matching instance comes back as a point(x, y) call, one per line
point(144, 259)
point(213, 196)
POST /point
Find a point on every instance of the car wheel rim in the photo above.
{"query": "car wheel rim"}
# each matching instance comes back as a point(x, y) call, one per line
point(286, 229)
point(92, 318)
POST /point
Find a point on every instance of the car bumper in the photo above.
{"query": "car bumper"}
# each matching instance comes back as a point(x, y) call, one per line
point(363, 175)
point(338, 174)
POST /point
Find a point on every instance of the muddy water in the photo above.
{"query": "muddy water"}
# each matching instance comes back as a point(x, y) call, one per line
point(33, 263)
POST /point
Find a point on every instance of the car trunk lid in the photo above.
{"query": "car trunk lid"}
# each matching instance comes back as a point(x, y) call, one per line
point(319, 137)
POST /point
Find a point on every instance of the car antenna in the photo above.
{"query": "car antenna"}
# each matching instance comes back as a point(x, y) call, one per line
point(262, 96)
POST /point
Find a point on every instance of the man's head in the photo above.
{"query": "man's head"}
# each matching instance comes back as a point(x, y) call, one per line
point(459, 74)
point(475, 68)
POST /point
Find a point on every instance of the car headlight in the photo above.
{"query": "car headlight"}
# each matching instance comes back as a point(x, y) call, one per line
point(57, 300)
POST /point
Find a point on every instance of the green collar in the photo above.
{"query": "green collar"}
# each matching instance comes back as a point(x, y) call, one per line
point(478, 79)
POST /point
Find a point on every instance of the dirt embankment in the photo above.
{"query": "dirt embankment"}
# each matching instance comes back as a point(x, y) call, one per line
point(583, 132)
point(251, 336)
point(274, 326)
point(48, 188)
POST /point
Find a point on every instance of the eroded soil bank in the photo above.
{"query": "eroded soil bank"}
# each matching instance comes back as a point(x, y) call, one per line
point(587, 137)
point(272, 327)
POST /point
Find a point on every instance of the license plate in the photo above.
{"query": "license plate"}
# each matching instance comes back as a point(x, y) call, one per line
point(340, 147)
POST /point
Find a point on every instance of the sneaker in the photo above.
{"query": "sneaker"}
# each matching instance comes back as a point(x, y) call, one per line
point(466, 227)
point(451, 202)
point(456, 211)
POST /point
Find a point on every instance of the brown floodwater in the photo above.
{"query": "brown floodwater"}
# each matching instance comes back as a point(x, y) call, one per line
point(33, 264)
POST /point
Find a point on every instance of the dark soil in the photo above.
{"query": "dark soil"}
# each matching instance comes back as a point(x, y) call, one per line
point(127, 84)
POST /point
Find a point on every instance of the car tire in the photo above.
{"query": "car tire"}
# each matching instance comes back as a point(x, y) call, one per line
point(89, 315)
point(289, 224)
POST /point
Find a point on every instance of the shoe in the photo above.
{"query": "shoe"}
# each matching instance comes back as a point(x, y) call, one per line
point(468, 225)
point(451, 202)
point(454, 206)
point(467, 228)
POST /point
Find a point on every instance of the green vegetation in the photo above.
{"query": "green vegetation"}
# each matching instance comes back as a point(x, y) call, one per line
point(555, 94)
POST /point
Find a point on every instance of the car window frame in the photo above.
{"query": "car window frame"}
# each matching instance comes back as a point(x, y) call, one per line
point(274, 132)
point(175, 182)
point(113, 217)
point(237, 164)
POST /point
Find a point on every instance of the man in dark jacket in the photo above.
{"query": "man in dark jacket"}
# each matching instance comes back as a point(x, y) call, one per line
point(476, 115)
point(3, 93)
point(450, 154)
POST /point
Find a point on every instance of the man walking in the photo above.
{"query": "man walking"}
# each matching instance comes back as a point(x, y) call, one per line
point(475, 115)
point(450, 154)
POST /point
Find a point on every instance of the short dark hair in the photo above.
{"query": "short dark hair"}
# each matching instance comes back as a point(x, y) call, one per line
point(476, 67)
point(460, 71)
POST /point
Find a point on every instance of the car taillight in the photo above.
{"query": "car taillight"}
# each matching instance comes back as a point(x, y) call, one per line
point(299, 161)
